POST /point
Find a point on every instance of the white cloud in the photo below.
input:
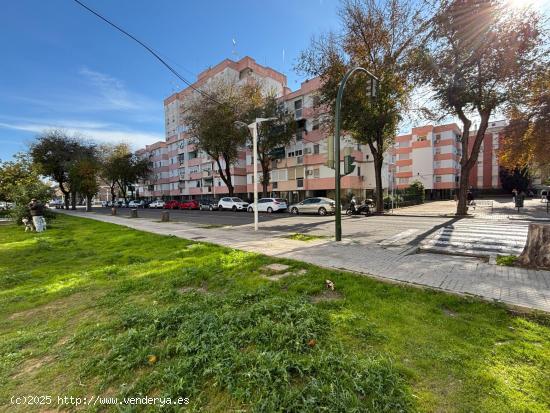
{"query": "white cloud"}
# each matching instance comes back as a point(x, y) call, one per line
point(97, 131)
point(112, 93)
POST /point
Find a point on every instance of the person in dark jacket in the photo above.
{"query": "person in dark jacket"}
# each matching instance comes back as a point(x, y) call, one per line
point(37, 214)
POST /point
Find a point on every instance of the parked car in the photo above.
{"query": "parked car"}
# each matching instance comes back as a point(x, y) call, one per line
point(191, 204)
point(172, 205)
point(4, 206)
point(208, 204)
point(269, 205)
point(55, 203)
point(157, 204)
point(234, 204)
point(136, 204)
point(320, 205)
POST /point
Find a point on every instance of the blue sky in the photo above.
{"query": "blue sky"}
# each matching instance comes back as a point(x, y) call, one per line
point(63, 67)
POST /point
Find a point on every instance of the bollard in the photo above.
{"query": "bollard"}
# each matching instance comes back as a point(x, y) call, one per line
point(165, 216)
point(113, 211)
point(133, 213)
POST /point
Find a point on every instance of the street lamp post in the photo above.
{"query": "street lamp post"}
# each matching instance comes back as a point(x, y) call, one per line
point(253, 128)
point(374, 80)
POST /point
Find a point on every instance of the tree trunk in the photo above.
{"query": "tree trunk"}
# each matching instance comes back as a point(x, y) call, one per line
point(88, 203)
point(67, 199)
point(113, 196)
point(73, 201)
point(537, 250)
point(462, 206)
point(378, 161)
point(226, 177)
point(265, 180)
point(469, 159)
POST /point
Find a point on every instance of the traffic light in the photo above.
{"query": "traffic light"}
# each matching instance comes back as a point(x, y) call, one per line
point(349, 167)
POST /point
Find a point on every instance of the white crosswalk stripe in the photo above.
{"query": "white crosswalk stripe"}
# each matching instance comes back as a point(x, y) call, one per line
point(479, 238)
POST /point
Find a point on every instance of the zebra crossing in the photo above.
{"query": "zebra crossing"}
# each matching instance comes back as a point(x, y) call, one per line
point(478, 237)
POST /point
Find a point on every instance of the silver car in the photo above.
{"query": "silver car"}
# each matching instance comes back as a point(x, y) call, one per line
point(319, 205)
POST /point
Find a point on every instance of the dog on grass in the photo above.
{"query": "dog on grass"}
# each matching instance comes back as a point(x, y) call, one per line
point(28, 224)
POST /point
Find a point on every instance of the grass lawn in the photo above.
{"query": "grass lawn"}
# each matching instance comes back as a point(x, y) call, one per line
point(93, 309)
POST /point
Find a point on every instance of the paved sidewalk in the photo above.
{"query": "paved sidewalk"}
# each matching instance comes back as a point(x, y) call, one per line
point(510, 285)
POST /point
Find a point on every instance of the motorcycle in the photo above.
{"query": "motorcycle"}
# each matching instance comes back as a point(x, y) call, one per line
point(364, 209)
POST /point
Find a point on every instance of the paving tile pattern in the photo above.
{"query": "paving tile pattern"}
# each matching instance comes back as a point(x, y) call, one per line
point(463, 275)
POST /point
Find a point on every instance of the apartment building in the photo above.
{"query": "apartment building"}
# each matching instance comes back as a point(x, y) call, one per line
point(181, 171)
point(485, 175)
point(431, 155)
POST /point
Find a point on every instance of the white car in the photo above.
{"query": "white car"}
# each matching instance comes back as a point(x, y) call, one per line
point(269, 205)
point(234, 204)
point(156, 204)
point(136, 204)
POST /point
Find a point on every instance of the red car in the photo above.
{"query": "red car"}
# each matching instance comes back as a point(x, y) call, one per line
point(191, 204)
point(172, 205)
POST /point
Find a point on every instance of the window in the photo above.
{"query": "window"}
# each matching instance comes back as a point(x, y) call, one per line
point(438, 164)
point(404, 156)
point(315, 124)
point(437, 138)
point(438, 178)
point(421, 138)
point(316, 173)
point(299, 136)
point(316, 101)
point(298, 109)
point(316, 149)
point(437, 151)
point(403, 180)
point(300, 159)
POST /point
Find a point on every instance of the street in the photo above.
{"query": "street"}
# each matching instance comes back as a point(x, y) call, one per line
point(386, 230)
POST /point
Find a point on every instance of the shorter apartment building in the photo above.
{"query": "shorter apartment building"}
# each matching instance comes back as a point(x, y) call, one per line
point(431, 155)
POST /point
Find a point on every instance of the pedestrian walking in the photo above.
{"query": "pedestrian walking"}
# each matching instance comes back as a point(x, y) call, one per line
point(37, 214)
point(470, 197)
point(514, 194)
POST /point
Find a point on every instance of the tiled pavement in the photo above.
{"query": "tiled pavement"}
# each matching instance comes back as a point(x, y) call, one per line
point(511, 285)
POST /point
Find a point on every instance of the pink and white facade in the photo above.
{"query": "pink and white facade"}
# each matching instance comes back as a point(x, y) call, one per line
point(181, 171)
point(431, 154)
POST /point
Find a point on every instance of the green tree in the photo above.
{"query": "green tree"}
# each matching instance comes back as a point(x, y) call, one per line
point(54, 153)
point(83, 177)
point(18, 172)
point(381, 36)
point(120, 168)
point(19, 183)
point(273, 134)
point(212, 120)
point(481, 52)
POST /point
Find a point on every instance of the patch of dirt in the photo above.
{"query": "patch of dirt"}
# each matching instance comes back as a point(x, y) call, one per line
point(277, 276)
point(277, 267)
point(30, 367)
point(448, 312)
point(55, 306)
point(203, 289)
point(327, 295)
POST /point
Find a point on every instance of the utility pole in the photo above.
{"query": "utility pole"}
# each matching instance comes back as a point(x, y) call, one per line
point(253, 129)
point(373, 86)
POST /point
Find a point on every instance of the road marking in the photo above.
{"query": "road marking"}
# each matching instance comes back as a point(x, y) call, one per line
point(399, 236)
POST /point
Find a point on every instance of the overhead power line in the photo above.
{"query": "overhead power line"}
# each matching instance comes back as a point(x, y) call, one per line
point(150, 50)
